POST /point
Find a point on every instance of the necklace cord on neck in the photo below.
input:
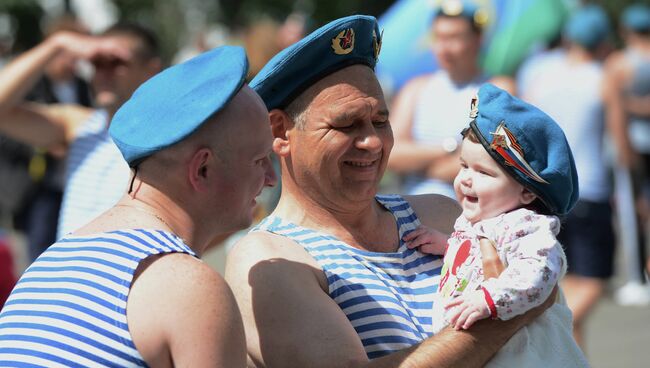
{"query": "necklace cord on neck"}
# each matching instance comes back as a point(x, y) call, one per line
point(135, 173)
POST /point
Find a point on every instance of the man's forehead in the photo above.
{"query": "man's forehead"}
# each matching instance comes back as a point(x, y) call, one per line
point(446, 24)
point(357, 78)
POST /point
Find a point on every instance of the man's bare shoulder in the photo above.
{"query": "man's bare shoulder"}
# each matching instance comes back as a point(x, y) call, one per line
point(263, 245)
point(435, 210)
point(202, 305)
point(182, 276)
point(616, 64)
point(259, 248)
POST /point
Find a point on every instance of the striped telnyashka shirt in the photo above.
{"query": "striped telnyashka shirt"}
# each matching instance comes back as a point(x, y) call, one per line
point(96, 175)
point(69, 307)
point(387, 297)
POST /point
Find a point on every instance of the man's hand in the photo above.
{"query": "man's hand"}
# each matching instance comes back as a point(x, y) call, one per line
point(91, 48)
point(468, 308)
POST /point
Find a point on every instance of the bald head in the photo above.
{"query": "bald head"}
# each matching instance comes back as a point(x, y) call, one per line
point(221, 133)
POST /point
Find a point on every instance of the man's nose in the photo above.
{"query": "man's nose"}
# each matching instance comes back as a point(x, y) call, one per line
point(369, 139)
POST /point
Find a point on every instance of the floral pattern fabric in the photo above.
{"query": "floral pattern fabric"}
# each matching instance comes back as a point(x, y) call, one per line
point(527, 245)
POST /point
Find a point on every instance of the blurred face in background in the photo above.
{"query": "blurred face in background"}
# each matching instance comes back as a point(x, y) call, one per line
point(456, 45)
point(116, 79)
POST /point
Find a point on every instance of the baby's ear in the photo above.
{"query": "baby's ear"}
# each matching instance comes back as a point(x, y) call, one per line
point(527, 197)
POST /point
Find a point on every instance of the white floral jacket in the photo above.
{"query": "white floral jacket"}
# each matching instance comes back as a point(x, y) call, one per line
point(526, 244)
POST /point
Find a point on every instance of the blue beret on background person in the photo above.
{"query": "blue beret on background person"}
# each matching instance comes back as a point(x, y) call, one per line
point(528, 144)
point(636, 17)
point(588, 26)
point(177, 101)
point(343, 42)
point(465, 9)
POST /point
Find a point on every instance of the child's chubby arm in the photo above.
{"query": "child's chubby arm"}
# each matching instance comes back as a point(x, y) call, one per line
point(535, 262)
point(427, 240)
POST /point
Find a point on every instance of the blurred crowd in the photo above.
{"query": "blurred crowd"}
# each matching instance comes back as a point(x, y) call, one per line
point(592, 78)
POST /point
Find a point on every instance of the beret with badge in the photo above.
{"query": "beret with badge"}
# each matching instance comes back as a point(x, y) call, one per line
point(177, 101)
point(341, 43)
point(528, 144)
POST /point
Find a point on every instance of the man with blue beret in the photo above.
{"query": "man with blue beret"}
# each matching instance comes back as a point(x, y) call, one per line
point(326, 280)
point(127, 289)
point(430, 110)
point(568, 85)
point(627, 103)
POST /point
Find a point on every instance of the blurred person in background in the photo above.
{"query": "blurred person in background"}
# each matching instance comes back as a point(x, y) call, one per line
point(124, 56)
point(431, 110)
point(628, 118)
point(568, 85)
point(60, 84)
point(264, 38)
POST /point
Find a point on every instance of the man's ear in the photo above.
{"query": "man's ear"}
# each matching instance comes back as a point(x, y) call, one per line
point(527, 197)
point(199, 170)
point(281, 123)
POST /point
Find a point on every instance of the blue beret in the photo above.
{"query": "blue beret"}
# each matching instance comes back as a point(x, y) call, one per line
point(528, 144)
point(588, 26)
point(637, 17)
point(462, 8)
point(175, 102)
point(336, 45)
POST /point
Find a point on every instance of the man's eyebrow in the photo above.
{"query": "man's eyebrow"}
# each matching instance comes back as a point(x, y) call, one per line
point(347, 115)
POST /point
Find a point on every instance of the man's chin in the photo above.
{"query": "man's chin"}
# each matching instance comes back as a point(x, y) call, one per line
point(106, 101)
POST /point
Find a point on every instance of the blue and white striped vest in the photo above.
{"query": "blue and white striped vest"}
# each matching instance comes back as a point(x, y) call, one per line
point(69, 307)
point(387, 297)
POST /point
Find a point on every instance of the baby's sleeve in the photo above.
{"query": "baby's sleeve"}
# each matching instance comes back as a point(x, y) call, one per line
point(534, 262)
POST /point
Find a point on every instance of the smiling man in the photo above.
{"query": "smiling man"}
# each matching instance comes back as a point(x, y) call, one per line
point(326, 280)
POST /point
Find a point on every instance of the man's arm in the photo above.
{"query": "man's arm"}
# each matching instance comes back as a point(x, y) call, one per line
point(291, 321)
point(615, 115)
point(182, 313)
point(38, 124)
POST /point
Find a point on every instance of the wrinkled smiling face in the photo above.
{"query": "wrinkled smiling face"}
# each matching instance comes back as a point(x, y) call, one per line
point(341, 150)
point(484, 190)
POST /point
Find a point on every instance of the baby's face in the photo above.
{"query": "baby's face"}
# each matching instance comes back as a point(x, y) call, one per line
point(483, 188)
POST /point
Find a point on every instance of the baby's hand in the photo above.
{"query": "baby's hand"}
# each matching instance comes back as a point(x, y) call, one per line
point(429, 240)
point(470, 307)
